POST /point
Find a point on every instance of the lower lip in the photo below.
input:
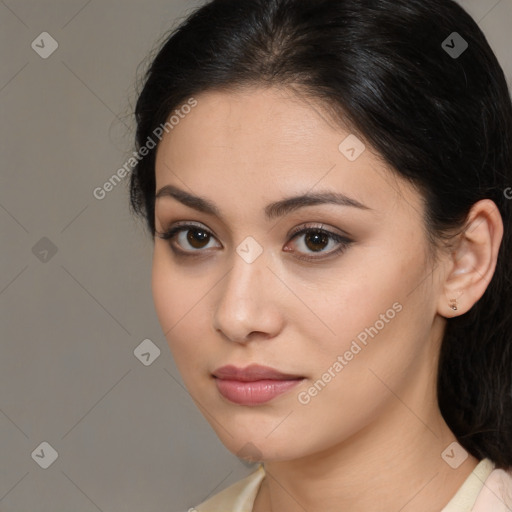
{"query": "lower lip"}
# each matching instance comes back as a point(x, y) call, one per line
point(255, 392)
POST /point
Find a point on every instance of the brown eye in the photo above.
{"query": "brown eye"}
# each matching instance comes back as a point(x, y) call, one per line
point(197, 237)
point(316, 240)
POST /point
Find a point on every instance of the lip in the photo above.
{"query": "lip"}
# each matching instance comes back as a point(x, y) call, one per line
point(254, 384)
point(252, 373)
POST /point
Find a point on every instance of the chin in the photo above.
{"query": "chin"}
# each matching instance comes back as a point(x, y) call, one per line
point(258, 448)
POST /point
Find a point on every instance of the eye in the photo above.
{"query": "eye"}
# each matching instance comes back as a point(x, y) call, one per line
point(316, 238)
point(198, 237)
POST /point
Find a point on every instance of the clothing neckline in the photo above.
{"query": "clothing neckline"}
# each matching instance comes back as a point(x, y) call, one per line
point(241, 495)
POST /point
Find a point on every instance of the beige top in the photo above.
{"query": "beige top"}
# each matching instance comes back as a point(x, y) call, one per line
point(485, 490)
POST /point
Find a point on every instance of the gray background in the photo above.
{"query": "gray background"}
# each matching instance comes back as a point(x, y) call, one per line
point(128, 436)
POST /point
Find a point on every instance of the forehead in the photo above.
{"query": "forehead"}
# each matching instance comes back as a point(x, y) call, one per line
point(263, 123)
point(273, 143)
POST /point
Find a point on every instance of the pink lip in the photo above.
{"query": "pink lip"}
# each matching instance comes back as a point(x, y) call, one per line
point(254, 384)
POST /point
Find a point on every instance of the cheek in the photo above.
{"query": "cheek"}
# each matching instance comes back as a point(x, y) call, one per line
point(163, 292)
point(178, 307)
point(373, 318)
point(365, 329)
point(353, 302)
point(171, 296)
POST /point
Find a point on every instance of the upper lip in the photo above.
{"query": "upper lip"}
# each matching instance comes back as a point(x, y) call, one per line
point(251, 373)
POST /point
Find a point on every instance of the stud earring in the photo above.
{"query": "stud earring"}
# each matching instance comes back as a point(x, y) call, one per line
point(453, 304)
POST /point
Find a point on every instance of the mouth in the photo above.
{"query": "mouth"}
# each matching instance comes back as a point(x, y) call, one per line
point(253, 385)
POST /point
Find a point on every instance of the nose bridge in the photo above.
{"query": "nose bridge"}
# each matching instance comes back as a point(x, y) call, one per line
point(244, 303)
point(247, 273)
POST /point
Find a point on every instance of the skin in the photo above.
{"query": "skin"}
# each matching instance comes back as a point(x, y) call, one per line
point(372, 439)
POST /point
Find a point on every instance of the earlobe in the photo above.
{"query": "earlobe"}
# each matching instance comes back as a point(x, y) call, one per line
point(473, 262)
point(453, 303)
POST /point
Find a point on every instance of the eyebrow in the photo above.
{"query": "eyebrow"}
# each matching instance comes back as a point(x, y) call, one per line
point(272, 210)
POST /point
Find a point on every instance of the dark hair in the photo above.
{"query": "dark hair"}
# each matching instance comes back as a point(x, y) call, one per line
point(440, 120)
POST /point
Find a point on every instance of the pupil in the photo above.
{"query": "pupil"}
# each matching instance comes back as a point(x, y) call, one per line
point(193, 239)
point(316, 236)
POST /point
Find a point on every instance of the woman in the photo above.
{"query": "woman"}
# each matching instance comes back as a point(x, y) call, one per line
point(330, 207)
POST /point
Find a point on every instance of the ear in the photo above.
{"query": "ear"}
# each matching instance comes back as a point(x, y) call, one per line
point(473, 261)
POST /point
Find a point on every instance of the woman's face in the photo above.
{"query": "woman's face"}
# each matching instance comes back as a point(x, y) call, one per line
point(355, 327)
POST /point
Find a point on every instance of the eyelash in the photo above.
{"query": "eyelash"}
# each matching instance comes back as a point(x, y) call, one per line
point(344, 242)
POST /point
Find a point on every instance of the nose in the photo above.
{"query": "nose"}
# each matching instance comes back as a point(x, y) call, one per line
point(247, 304)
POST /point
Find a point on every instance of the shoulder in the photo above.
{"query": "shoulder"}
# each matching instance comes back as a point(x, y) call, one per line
point(496, 493)
point(238, 497)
